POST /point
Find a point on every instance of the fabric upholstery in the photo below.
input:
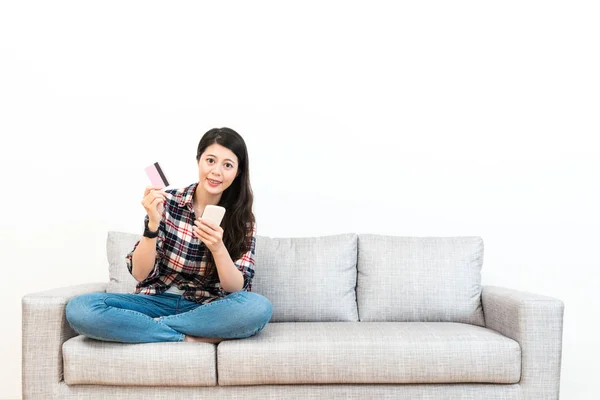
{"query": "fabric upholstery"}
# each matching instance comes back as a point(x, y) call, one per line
point(94, 362)
point(423, 333)
point(308, 279)
point(44, 329)
point(118, 245)
point(536, 322)
point(427, 279)
point(369, 352)
point(475, 391)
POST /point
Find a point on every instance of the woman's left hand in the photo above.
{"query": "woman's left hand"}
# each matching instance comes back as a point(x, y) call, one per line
point(210, 234)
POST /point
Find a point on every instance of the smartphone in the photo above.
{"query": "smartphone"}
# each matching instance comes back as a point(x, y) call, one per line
point(214, 213)
point(156, 175)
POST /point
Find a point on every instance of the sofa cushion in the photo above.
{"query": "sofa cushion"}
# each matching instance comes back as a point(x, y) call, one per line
point(118, 245)
point(369, 352)
point(308, 279)
point(94, 362)
point(425, 279)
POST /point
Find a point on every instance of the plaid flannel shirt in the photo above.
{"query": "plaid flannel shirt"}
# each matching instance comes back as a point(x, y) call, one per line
point(181, 257)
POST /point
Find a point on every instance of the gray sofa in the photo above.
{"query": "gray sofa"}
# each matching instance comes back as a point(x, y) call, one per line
point(354, 316)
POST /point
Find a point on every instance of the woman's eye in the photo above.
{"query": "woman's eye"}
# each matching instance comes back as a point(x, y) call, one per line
point(228, 164)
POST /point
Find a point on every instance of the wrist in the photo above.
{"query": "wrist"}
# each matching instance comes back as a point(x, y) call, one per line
point(220, 250)
point(150, 229)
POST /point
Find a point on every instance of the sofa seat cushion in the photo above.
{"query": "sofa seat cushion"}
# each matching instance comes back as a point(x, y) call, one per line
point(369, 352)
point(94, 362)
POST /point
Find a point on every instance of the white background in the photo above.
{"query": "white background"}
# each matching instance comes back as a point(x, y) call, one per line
point(420, 119)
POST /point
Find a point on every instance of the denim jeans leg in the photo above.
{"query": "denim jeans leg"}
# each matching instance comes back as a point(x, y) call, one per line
point(237, 315)
point(122, 317)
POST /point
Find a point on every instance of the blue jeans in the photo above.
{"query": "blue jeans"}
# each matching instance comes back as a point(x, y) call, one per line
point(129, 317)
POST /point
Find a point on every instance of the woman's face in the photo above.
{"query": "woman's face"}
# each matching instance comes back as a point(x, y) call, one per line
point(220, 164)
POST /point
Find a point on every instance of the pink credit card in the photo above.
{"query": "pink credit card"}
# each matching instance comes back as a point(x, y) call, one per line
point(156, 175)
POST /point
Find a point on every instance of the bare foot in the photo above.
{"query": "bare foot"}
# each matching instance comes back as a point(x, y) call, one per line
point(189, 338)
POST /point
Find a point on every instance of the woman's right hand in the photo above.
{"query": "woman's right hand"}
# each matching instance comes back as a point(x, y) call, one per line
point(153, 202)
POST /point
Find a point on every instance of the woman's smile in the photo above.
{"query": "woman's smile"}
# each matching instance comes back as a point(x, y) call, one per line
point(213, 183)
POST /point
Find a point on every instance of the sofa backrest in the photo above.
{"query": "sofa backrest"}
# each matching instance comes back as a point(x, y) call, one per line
point(306, 279)
point(118, 244)
point(351, 277)
point(311, 279)
point(420, 278)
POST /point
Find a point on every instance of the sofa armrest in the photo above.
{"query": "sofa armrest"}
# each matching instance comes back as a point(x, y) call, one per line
point(536, 323)
point(44, 330)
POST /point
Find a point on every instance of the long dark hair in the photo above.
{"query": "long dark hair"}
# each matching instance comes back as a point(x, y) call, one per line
point(237, 199)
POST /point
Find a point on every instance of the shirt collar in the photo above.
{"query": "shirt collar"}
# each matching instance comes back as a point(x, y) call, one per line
point(187, 196)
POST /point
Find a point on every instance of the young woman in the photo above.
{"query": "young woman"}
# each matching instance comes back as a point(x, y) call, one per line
point(189, 286)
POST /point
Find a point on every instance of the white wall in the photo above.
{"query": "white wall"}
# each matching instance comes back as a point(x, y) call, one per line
point(447, 118)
